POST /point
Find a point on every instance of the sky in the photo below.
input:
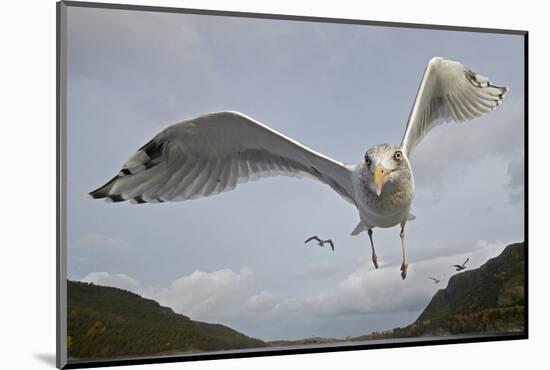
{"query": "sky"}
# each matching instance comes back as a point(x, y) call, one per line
point(239, 258)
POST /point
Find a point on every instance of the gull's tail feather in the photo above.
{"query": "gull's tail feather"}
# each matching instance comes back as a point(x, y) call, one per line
point(359, 229)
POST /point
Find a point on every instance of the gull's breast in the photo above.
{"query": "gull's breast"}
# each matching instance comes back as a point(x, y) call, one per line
point(389, 209)
point(389, 218)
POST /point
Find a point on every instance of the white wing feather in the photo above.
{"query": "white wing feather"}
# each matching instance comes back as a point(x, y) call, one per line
point(214, 153)
point(448, 91)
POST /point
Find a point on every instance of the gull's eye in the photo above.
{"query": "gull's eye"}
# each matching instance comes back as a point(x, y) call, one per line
point(398, 155)
point(367, 160)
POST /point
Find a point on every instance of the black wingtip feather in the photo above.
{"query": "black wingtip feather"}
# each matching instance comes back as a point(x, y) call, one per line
point(139, 200)
point(116, 198)
point(504, 90)
point(150, 164)
point(103, 191)
point(153, 149)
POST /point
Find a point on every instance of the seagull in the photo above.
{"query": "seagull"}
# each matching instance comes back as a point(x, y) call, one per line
point(216, 152)
point(461, 267)
point(321, 242)
point(436, 281)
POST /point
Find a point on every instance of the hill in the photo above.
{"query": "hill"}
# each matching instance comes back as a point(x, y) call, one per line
point(487, 300)
point(105, 322)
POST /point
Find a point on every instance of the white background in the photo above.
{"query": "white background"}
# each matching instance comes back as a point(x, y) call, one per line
point(28, 181)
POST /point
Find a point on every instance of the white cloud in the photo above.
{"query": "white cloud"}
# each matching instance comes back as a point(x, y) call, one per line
point(205, 295)
point(367, 291)
point(209, 296)
point(262, 302)
point(121, 281)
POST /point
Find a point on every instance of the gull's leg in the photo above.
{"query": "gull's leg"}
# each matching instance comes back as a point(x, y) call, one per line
point(404, 264)
point(374, 257)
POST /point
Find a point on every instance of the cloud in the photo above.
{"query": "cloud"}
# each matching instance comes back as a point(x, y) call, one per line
point(121, 281)
point(262, 302)
point(366, 291)
point(208, 296)
point(317, 271)
point(205, 295)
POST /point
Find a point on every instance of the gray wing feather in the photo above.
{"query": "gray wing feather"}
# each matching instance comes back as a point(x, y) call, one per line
point(448, 92)
point(215, 153)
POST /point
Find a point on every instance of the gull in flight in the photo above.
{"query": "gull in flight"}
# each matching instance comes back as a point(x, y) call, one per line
point(436, 281)
point(461, 267)
point(321, 242)
point(217, 152)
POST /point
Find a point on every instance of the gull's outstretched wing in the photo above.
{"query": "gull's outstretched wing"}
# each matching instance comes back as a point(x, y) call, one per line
point(214, 153)
point(465, 262)
point(448, 92)
point(312, 238)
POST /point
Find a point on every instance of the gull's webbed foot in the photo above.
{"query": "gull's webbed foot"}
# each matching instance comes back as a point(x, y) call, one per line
point(404, 266)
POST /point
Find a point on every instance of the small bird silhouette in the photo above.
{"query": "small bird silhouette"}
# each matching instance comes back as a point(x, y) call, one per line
point(434, 279)
point(321, 242)
point(461, 267)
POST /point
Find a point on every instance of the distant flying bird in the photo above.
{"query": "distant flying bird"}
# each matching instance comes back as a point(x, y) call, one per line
point(216, 152)
point(461, 267)
point(321, 242)
point(436, 281)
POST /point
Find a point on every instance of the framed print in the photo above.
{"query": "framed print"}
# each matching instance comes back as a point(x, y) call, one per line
point(235, 184)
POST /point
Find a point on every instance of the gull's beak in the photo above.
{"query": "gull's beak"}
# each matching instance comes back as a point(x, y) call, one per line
point(380, 174)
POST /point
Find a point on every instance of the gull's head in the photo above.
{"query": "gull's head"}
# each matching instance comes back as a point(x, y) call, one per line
point(384, 165)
